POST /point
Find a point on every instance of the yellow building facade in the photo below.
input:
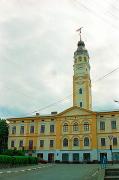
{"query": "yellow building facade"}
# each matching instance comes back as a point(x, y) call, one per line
point(75, 135)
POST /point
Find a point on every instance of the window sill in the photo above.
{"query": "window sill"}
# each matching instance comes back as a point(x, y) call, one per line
point(102, 130)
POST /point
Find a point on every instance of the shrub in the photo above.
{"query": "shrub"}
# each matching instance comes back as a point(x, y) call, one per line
point(17, 160)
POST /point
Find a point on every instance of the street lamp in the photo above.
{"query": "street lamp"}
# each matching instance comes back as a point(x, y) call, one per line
point(110, 138)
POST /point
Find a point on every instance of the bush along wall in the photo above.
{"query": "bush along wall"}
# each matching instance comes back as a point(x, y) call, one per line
point(9, 161)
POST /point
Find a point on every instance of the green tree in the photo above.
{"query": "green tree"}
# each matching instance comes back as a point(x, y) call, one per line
point(3, 135)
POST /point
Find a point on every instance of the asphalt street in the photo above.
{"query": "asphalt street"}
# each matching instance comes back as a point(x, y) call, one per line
point(55, 172)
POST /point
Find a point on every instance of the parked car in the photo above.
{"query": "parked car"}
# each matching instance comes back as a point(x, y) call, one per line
point(42, 161)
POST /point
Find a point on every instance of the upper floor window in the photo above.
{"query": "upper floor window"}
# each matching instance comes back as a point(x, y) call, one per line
point(65, 142)
point(75, 127)
point(41, 143)
point(115, 141)
point(86, 126)
point(80, 91)
point(76, 142)
point(22, 130)
point(14, 130)
point(102, 125)
point(30, 144)
point(81, 104)
point(51, 143)
point(103, 143)
point(21, 143)
point(52, 128)
point(31, 129)
point(86, 141)
point(12, 143)
point(113, 124)
point(65, 127)
point(42, 130)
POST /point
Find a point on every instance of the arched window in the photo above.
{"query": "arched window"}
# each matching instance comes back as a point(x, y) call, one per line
point(86, 141)
point(75, 126)
point(75, 142)
point(65, 142)
point(80, 91)
point(65, 127)
point(86, 126)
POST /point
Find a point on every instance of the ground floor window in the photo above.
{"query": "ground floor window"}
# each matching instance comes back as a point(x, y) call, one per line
point(76, 157)
point(51, 157)
point(115, 156)
point(86, 156)
point(65, 157)
point(40, 156)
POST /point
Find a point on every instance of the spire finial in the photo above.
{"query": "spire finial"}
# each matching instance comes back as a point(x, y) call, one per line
point(79, 30)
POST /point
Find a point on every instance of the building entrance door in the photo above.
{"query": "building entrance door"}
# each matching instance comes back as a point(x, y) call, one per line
point(76, 157)
point(86, 157)
point(51, 157)
point(102, 155)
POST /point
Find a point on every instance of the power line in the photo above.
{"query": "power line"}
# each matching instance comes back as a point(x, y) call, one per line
point(95, 13)
point(106, 75)
point(67, 97)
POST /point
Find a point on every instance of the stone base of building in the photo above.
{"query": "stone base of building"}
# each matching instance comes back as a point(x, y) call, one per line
point(69, 156)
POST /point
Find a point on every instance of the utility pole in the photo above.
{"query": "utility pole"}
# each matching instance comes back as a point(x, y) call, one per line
point(110, 138)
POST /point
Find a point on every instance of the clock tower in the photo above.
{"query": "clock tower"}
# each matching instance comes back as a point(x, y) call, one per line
point(81, 78)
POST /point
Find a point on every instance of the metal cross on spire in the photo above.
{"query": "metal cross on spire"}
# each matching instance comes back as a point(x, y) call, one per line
point(79, 30)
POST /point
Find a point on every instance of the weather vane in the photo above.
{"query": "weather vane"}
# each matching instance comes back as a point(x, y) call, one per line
point(79, 30)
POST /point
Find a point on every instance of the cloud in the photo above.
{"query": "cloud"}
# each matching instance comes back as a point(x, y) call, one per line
point(38, 39)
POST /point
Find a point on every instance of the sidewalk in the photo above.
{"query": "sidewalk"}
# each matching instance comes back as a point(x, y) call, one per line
point(24, 168)
point(101, 172)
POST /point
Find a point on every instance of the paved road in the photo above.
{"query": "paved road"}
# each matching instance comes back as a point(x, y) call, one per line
point(56, 172)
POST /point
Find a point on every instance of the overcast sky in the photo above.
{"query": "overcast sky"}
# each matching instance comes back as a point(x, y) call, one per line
point(37, 42)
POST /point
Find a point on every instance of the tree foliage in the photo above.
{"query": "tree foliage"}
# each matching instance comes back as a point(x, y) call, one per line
point(3, 134)
point(14, 152)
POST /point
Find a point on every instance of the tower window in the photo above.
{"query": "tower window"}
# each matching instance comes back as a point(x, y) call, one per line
point(80, 58)
point(81, 104)
point(80, 91)
point(85, 59)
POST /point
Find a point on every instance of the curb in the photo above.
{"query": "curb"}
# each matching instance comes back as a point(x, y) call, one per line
point(23, 170)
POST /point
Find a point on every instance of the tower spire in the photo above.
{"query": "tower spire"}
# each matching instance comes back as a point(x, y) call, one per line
point(81, 79)
point(79, 30)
